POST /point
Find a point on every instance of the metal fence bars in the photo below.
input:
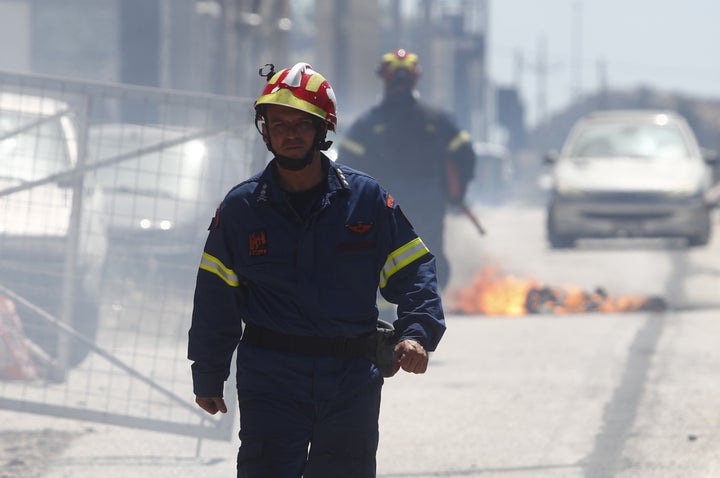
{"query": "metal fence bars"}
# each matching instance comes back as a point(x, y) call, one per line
point(106, 192)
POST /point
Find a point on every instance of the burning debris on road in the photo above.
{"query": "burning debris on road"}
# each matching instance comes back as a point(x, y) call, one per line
point(491, 293)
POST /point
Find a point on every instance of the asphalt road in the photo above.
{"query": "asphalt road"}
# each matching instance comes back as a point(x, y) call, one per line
point(583, 395)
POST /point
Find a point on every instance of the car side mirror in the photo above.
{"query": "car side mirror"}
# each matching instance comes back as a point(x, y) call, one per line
point(551, 156)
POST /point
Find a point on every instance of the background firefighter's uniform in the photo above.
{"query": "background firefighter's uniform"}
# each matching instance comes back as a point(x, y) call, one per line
point(418, 153)
point(311, 276)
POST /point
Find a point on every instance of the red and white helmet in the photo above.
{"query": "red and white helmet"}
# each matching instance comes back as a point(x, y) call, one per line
point(302, 88)
point(396, 61)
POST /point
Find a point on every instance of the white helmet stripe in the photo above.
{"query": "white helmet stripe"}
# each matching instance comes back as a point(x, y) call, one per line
point(294, 76)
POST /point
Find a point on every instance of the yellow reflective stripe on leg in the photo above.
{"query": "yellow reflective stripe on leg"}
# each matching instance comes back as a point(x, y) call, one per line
point(213, 265)
point(401, 257)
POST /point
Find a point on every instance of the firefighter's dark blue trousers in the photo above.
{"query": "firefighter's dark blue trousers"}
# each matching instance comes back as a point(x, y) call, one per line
point(284, 438)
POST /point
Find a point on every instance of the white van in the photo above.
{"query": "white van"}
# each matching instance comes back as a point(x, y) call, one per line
point(155, 181)
point(38, 153)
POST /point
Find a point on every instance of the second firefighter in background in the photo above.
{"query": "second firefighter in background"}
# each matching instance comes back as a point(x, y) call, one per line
point(414, 150)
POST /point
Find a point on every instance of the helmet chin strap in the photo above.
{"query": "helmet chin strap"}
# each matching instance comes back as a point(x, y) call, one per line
point(297, 164)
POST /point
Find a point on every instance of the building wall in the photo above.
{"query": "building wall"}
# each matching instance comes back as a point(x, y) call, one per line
point(348, 49)
point(14, 35)
point(74, 38)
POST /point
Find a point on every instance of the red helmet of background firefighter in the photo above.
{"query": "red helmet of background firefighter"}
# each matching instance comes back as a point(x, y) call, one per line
point(301, 88)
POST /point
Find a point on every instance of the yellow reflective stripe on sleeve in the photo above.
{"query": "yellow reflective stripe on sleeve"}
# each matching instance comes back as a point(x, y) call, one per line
point(401, 257)
point(214, 266)
point(353, 147)
point(459, 140)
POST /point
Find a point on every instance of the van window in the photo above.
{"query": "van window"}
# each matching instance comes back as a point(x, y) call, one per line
point(174, 172)
point(33, 153)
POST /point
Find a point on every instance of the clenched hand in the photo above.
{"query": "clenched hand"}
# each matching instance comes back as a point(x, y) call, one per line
point(212, 405)
point(411, 356)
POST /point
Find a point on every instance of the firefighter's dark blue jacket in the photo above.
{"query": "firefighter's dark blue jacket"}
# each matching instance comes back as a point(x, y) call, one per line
point(264, 265)
point(415, 150)
point(420, 155)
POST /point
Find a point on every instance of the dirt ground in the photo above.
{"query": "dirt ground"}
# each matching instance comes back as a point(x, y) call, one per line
point(26, 454)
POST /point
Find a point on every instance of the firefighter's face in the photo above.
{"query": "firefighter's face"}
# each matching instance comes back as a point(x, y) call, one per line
point(290, 131)
point(400, 82)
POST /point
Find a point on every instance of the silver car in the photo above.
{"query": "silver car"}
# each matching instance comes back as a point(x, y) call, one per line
point(630, 173)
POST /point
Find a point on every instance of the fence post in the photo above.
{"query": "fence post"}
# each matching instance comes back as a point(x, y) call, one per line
point(70, 269)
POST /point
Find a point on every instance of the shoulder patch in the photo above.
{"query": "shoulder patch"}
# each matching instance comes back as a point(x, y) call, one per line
point(390, 201)
point(215, 222)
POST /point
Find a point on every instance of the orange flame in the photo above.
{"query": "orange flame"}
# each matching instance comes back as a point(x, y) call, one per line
point(491, 293)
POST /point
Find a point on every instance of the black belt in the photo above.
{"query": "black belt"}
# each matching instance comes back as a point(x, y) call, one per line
point(364, 346)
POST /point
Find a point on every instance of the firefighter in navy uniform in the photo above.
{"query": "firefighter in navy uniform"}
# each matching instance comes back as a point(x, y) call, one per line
point(414, 150)
point(288, 278)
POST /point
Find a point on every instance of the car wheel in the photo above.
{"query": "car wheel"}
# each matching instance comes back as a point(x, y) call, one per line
point(558, 241)
point(561, 242)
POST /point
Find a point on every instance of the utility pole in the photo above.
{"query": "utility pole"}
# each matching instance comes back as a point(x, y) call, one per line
point(602, 83)
point(230, 42)
point(576, 42)
point(541, 69)
point(349, 41)
point(397, 22)
point(602, 75)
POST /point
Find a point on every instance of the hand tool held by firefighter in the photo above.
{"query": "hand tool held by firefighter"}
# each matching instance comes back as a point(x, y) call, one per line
point(456, 192)
point(473, 218)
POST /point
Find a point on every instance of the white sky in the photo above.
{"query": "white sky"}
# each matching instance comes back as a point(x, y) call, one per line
point(670, 45)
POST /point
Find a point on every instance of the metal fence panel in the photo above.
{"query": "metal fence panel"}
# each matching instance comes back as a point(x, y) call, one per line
point(106, 192)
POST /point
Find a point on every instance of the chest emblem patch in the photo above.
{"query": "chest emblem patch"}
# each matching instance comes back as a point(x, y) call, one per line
point(359, 227)
point(257, 243)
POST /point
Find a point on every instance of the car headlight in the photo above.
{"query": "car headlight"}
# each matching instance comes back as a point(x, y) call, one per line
point(685, 189)
point(164, 225)
point(566, 188)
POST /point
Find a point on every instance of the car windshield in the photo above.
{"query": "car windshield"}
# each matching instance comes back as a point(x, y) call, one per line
point(31, 147)
point(643, 141)
point(173, 172)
